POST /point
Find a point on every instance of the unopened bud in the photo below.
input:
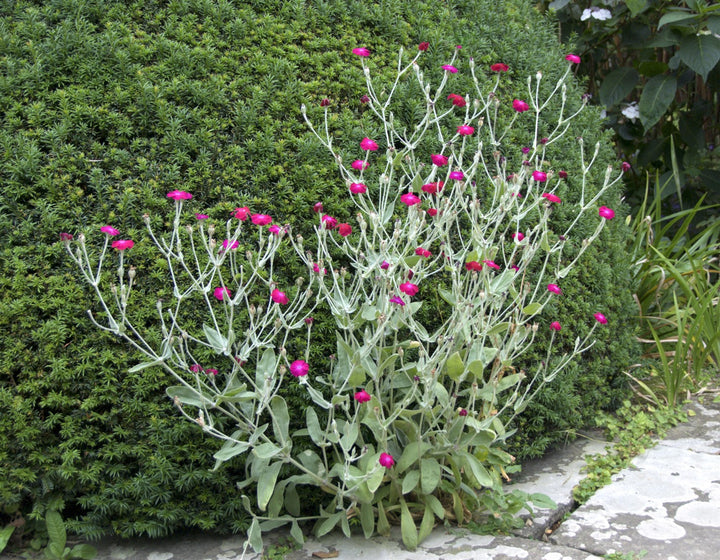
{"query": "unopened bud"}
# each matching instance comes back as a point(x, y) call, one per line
point(414, 344)
point(400, 352)
point(299, 239)
point(211, 230)
point(252, 310)
point(282, 369)
point(278, 324)
point(189, 229)
point(300, 280)
point(131, 272)
point(534, 327)
point(248, 255)
point(146, 218)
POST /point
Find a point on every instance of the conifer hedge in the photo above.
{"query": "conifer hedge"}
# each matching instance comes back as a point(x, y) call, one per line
point(108, 105)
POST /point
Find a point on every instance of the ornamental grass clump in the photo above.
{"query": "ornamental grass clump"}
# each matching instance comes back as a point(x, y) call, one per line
point(437, 288)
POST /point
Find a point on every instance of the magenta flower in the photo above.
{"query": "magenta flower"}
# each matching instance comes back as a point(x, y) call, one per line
point(384, 265)
point(520, 106)
point(449, 68)
point(432, 212)
point(397, 300)
point(309, 320)
point(457, 175)
point(554, 288)
point(201, 216)
point(607, 213)
point(421, 252)
point(344, 229)
point(499, 67)
point(109, 230)
point(626, 166)
point(473, 266)
point(325, 102)
point(196, 368)
point(492, 264)
point(316, 268)
point(242, 213)
point(274, 229)
point(575, 59)
point(465, 130)
point(519, 236)
point(432, 188)
point(555, 326)
point(462, 412)
point(122, 244)
point(368, 145)
point(562, 174)
point(299, 368)
point(279, 297)
point(361, 51)
point(423, 46)
point(359, 165)
point(600, 318)
point(210, 371)
point(386, 460)
point(362, 396)
point(226, 243)
point(457, 100)
point(328, 222)
point(220, 293)
point(66, 237)
point(410, 199)
point(364, 99)
point(551, 198)
point(261, 219)
point(539, 176)
point(409, 288)
point(439, 159)
point(358, 188)
point(318, 207)
point(525, 150)
point(179, 195)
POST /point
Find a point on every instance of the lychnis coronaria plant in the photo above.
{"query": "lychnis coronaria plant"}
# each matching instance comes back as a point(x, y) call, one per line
point(436, 287)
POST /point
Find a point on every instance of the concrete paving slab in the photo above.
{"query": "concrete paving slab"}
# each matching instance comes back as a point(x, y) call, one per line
point(666, 506)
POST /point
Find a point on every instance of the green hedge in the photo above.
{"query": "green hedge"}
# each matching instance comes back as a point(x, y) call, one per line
point(108, 105)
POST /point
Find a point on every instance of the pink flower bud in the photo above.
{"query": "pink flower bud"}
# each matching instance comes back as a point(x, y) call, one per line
point(66, 237)
point(386, 460)
point(196, 368)
point(555, 326)
point(423, 46)
point(573, 58)
point(344, 229)
point(362, 396)
point(122, 244)
point(432, 212)
point(397, 300)
point(423, 252)
point(449, 68)
point(299, 368)
point(364, 99)
point(462, 412)
point(600, 318)
point(325, 102)
point(210, 371)
point(519, 236)
point(562, 174)
point(626, 166)
point(368, 145)
point(520, 106)
point(457, 100)
point(384, 265)
point(554, 288)
point(492, 264)
point(318, 207)
point(607, 213)
point(109, 230)
point(499, 67)
point(279, 297)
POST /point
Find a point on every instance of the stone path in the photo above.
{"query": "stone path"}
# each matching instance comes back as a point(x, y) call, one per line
point(665, 507)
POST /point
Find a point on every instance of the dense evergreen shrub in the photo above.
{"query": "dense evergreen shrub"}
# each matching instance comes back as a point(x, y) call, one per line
point(105, 107)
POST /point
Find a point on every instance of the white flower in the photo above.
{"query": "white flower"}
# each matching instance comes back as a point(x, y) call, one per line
point(631, 111)
point(595, 13)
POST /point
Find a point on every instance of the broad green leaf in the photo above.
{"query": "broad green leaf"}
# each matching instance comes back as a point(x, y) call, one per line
point(296, 533)
point(376, 478)
point(474, 466)
point(230, 449)
point(458, 508)
point(329, 524)
point(700, 52)
point(713, 24)
point(532, 308)
point(311, 461)
point(675, 17)
point(507, 382)
point(650, 68)
point(84, 551)
point(447, 295)
point(266, 450)
point(387, 214)
point(412, 452)
point(350, 436)
point(454, 366)
point(280, 418)
point(186, 395)
point(255, 536)
point(369, 312)
point(558, 4)
point(292, 500)
point(54, 551)
point(412, 260)
point(407, 527)
point(55, 529)
point(266, 484)
point(383, 527)
point(367, 520)
point(636, 6)
point(266, 367)
point(427, 524)
point(357, 377)
point(313, 426)
point(657, 95)
point(410, 481)
point(144, 365)
point(435, 505)
point(543, 501)
point(215, 339)
point(317, 397)
point(499, 328)
point(430, 472)
point(5, 535)
point(617, 85)
point(502, 281)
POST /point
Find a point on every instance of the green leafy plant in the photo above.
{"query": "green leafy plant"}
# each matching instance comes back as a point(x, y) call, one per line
point(57, 539)
point(5, 534)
